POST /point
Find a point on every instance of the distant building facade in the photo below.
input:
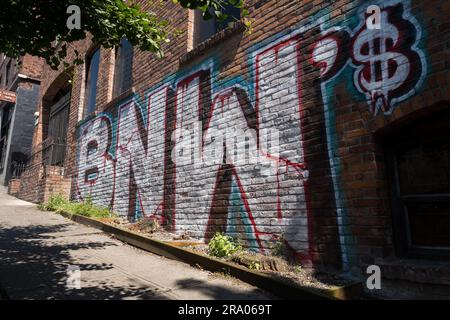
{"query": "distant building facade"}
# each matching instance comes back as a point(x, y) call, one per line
point(17, 117)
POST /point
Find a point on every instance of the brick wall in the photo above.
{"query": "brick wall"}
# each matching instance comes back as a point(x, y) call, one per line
point(39, 182)
point(310, 71)
point(32, 66)
point(55, 182)
point(14, 187)
point(30, 184)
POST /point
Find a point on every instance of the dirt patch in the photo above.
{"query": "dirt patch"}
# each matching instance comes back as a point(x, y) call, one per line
point(145, 225)
point(274, 265)
point(107, 220)
point(280, 268)
point(310, 278)
point(151, 228)
point(260, 262)
point(293, 273)
point(184, 244)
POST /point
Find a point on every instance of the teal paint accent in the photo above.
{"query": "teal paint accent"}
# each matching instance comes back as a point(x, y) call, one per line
point(138, 214)
point(421, 45)
point(347, 239)
point(235, 210)
point(347, 75)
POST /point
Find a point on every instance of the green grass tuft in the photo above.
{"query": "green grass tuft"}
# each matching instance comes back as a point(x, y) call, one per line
point(86, 208)
point(222, 246)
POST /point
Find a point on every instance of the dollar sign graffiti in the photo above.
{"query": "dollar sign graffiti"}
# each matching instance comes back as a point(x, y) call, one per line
point(383, 66)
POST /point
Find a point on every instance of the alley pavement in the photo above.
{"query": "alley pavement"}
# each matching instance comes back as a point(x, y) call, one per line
point(41, 253)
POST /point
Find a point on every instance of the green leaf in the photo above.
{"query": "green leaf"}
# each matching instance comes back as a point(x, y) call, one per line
point(106, 20)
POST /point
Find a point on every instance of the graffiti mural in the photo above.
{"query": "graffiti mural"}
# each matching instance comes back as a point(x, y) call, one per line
point(389, 65)
point(373, 67)
point(173, 155)
point(96, 165)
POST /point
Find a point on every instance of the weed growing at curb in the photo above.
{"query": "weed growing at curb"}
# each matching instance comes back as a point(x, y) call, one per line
point(87, 208)
point(222, 246)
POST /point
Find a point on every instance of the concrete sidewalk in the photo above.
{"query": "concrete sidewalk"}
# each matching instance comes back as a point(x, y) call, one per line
point(37, 247)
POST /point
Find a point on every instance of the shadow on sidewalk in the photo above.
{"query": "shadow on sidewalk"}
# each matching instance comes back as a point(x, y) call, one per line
point(34, 261)
point(219, 292)
point(33, 265)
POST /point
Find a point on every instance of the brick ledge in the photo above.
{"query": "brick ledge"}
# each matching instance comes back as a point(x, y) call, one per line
point(211, 42)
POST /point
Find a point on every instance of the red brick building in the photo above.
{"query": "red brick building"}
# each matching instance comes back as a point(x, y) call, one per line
point(359, 173)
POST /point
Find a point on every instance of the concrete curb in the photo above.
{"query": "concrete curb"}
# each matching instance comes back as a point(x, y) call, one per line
point(261, 280)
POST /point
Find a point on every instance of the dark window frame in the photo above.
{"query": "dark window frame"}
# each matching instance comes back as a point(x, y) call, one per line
point(92, 61)
point(123, 68)
point(208, 28)
point(8, 73)
point(54, 152)
point(398, 201)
